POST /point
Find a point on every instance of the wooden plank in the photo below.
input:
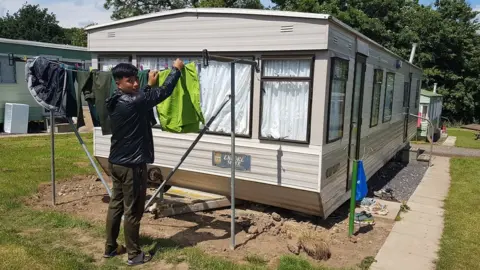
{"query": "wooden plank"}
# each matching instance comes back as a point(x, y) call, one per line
point(179, 209)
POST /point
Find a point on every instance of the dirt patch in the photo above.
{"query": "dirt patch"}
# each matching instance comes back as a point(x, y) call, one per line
point(259, 230)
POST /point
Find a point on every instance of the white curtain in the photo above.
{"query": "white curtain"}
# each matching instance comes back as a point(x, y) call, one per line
point(285, 110)
point(144, 63)
point(287, 68)
point(106, 64)
point(285, 103)
point(215, 87)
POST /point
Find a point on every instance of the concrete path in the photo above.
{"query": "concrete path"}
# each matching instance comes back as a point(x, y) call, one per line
point(414, 241)
point(450, 141)
point(448, 151)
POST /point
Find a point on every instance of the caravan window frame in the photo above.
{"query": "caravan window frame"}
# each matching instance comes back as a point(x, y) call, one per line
point(309, 79)
point(252, 77)
point(379, 96)
point(14, 71)
point(385, 120)
point(332, 73)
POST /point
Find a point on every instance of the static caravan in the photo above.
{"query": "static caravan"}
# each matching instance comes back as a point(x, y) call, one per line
point(13, 87)
point(326, 94)
point(431, 109)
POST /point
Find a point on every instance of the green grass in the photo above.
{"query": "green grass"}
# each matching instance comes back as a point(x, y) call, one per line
point(34, 239)
point(460, 243)
point(465, 138)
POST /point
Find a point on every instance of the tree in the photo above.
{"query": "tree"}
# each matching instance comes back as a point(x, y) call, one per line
point(76, 36)
point(249, 4)
point(31, 22)
point(128, 8)
point(448, 43)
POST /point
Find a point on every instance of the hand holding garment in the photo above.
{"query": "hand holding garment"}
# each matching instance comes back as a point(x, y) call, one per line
point(181, 112)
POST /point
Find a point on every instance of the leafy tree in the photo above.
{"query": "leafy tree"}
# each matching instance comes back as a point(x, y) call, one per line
point(446, 33)
point(128, 8)
point(76, 36)
point(250, 4)
point(31, 22)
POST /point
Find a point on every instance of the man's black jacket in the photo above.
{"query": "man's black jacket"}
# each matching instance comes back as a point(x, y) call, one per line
point(132, 141)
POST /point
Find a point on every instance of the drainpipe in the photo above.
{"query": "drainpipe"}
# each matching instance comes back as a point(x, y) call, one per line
point(412, 54)
point(435, 88)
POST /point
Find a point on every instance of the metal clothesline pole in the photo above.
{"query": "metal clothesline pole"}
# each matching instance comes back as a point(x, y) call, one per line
point(232, 167)
point(199, 136)
point(206, 58)
point(52, 142)
point(85, 149)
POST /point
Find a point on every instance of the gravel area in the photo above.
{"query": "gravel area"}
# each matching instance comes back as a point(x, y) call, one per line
point(403, 179)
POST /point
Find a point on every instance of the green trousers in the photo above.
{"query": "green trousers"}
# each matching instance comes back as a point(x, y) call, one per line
point(128, 199)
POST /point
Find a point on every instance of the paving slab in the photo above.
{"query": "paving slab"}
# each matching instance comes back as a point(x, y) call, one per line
point(412, 262)
point(414, 241)
point(427, 209)
point(420, 231)
point(402, 245)
point(427, 201)
point(450, 141)
point(430, 219)
point(429, 192)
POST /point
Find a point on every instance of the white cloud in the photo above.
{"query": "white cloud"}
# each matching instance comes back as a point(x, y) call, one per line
point(69, 13)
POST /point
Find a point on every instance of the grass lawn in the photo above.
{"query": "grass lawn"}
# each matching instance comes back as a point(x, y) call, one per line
point(33, 239)
point(460, 243)
point(465, 138)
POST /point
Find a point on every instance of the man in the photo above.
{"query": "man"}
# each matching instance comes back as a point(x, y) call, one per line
point(131, 149)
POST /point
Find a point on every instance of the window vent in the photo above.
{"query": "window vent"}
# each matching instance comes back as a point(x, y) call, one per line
point(335, 39)
point(111, 34)
point(286, 28)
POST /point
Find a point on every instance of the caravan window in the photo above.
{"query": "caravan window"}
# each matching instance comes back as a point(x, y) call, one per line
point(388, 104)
point(7, 72)
point(336, 108)
point(214, 89)
point(417, 94)
point(285, 99)
point(107, 63)
point(376, 93)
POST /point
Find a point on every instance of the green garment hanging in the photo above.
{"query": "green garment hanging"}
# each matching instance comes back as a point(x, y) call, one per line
point(181, 112)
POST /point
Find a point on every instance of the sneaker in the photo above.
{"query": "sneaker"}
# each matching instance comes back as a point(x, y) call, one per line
point(118, 251)
point(140, 259)
point(364, 218)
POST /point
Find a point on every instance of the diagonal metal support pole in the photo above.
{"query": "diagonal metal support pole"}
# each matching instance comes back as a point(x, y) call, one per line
point(185, 155)
point(80, 140)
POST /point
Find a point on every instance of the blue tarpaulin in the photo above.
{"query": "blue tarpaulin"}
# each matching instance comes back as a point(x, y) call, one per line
point(362, 189)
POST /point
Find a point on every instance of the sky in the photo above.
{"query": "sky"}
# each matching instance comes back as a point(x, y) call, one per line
point(78, 13)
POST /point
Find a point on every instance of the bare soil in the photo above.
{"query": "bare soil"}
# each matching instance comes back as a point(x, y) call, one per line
point(260, 230)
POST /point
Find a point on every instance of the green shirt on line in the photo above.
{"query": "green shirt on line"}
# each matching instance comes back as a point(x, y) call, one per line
point(181, 112)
